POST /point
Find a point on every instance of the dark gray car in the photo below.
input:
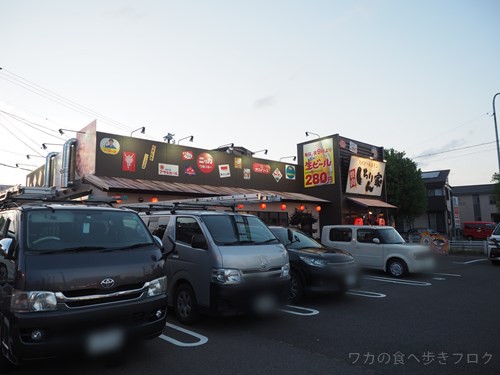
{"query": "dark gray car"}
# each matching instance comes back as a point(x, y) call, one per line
point(77, 278)
point(314, 267)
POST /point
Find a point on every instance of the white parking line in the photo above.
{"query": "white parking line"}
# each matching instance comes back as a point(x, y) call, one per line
point(446, 274)
point(439, 278)
point(201, 339)
point(308, 312)
point(471, 261)
point(364, 293)
point(397, 281)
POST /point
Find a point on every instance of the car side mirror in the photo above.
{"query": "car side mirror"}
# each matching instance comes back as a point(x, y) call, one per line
point(172, 247)
point(5, 247)
point(376, 240)
point(199, 242)
point(158, 241)
point(291, 237)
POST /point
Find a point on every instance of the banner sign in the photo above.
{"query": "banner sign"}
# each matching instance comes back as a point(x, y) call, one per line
point(365, 176)
point(318, 163)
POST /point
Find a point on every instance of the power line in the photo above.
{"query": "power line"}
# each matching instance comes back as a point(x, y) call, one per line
point(11, 166)
point(33, 125)
point(462, 155)
point(456, 127)
point(70, 104)
point(12, 152)
point(19, 139)
point(455, 149)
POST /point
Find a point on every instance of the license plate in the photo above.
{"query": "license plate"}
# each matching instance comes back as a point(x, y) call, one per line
point(106, 341)
point(351, 280)
point(265, 304)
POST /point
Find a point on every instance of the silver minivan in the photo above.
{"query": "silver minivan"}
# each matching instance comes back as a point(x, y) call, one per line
point(220, 262)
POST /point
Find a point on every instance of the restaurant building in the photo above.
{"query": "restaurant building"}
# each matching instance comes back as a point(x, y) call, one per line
point(337, 180)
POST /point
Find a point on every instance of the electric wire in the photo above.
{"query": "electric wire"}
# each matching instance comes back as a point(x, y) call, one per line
point(456, 127)
point(452, 150)
point(70, 104)
point(19, 139)
point(33, 125)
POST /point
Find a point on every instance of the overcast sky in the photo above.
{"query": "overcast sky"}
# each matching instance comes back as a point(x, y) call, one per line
point(417, 76)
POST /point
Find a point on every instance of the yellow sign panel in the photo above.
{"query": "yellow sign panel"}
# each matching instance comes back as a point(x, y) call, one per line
point(318, 163)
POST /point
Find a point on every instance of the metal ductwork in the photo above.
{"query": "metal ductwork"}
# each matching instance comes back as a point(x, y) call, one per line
point(68, 161)
point(49, 169)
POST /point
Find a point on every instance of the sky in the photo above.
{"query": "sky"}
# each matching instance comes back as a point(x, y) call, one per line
point(416, 76)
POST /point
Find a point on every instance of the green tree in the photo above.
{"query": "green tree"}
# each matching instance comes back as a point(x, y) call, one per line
point(496, 189)
point(405, 188)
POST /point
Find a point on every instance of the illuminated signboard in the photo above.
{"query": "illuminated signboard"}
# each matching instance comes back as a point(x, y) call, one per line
point(365, 176)
point(318, 163)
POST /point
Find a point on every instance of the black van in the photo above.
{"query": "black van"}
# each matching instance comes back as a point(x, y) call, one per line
point(77, 278)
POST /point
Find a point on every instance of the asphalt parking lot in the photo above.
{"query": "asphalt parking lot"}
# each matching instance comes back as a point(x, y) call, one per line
point(446, 322)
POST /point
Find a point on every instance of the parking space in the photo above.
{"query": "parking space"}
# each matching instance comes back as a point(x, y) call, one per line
point(443, 322)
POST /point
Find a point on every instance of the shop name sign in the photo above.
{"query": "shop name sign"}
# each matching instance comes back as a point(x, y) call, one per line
point(168, 170)
point(318, 163)
point(365, 176)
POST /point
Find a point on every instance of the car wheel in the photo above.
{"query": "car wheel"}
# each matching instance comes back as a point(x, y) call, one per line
point(496, 262)
point(469, 238)
point(397, 267)
point(186, 308)
point(296, 287)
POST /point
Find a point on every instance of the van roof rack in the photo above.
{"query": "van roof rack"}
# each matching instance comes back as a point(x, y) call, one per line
point(230, 201)
point(18, 195)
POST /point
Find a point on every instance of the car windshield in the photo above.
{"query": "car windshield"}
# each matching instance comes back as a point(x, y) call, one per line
point(299, 240)
point(232, 230)
point(496, 232)
point(57, 230)
point(390, 236)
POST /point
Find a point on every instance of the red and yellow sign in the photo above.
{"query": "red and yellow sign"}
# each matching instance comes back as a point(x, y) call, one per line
point(318, 163)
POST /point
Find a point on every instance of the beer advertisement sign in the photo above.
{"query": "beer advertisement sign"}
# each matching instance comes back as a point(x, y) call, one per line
point(318, 163)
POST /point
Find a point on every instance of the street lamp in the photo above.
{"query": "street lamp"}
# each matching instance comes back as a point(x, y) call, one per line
point(61, 131)
point(44, 145)
point(191, 137)
point(142, 129)
point(286, 157)
point(309, 133)
point(496, 130)
point(264, 151)
point(19, 166)
point(228, 148)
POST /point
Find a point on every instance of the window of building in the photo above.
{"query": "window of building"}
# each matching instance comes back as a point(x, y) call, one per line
point(493, 200)
point(477, 207)
point(273, 218)
point(435, 193)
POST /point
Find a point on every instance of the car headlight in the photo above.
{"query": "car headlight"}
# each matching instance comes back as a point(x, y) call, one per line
point(285, 270)
point(226, 276)
point(22, 301)
point(157, 286)
point(316, 262)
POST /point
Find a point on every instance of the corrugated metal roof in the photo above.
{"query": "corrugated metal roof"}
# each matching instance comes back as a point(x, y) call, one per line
point(118, 183)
